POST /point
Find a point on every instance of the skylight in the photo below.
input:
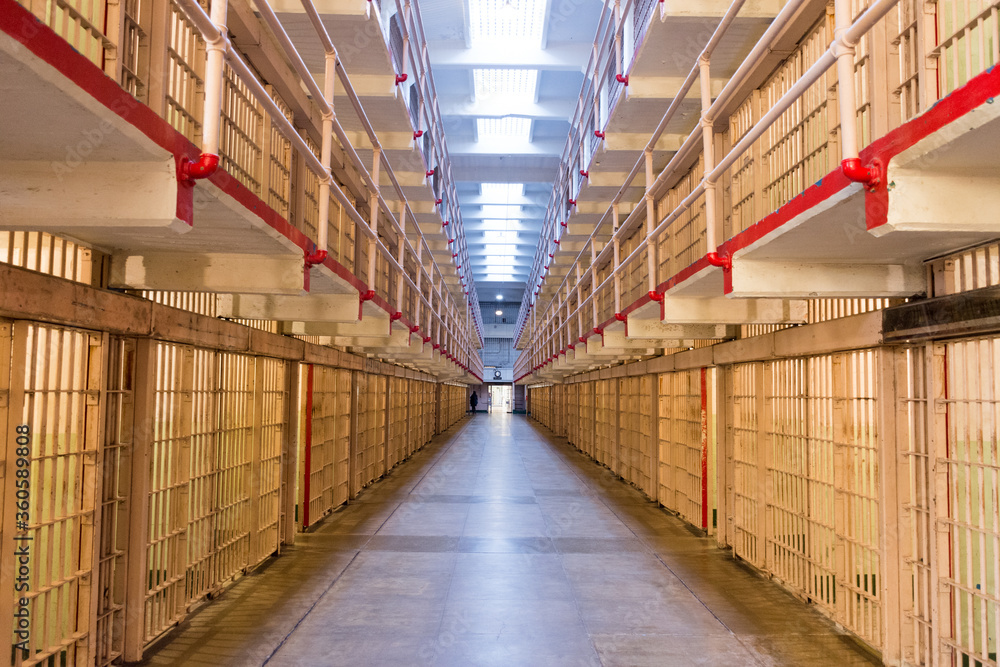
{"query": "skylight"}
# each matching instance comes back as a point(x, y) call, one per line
point(507, 84)
point(501, 191)
point(509, 20)
point(504, 128)
point(499, 277)
point(493, 261)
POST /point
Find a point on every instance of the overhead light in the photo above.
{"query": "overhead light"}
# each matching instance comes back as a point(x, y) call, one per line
point(499, 297)
point(505, 84)
point(499, 277)
point(499, 312)
point(520, 21)
point(504, 128)
point(500, 260)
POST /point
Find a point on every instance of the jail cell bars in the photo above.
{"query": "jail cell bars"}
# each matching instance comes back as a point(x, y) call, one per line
point(802, 440)
point(683, 445)
point(213, 475)
point(454, 403)
point(951, 515)
point(369, 457)
point(327, 438)
point(50, 509)
point(636, 433)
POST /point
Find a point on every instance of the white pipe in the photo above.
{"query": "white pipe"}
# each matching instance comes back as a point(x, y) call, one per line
point(213, 79)
point(708, 152)
point(844, 53)
point(326, 152)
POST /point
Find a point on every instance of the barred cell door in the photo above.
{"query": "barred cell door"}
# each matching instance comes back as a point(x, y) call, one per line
point(53, 380)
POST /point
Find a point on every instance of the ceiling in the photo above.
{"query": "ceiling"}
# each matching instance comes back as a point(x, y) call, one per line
point(508, 74)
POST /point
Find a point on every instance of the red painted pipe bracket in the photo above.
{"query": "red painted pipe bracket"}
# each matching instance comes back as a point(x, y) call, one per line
point(398, 315)
point(315, 257)
point(415, 328)
point(599, 134)
point(599, 331)
point(427, 339)
point(188, 171)
point(585, 174)
point(572, 202)
point(401, 78)
point(620, 317)
point(725, 262)
point(417, 134)
point(655, 296)
point(583, 339)
point(430, 172)
point(368, 296)
point(870, 176)
point(622, 78)
point(437, 202)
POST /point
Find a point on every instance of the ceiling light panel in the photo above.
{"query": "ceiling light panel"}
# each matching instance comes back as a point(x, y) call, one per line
point(504, 128)
point(499, 277)
point(522, 21)
point(494, 261)
point(507, 84)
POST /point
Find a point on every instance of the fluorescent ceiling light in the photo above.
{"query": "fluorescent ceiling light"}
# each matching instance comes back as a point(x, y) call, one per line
point(505, 84)
point(522, 21)
point(504, 128)
point(499, 297)
point(499, 277)
point(499, 312)
point(501, 191)
point(499, 260)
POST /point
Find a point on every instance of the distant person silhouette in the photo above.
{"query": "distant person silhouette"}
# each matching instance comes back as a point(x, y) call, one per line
point(473, 401)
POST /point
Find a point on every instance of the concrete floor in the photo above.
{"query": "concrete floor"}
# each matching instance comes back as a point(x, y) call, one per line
point(498, 545)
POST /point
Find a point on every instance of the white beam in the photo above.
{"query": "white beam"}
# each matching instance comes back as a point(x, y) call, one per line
point(369, 327)
point(684, 310)
point(639, 329)
point(188, 272)
point(54, 197)
point(311, 308)
point(922, 200)
point(762, 278)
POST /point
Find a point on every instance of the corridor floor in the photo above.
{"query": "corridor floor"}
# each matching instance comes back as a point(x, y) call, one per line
point(500, 545)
